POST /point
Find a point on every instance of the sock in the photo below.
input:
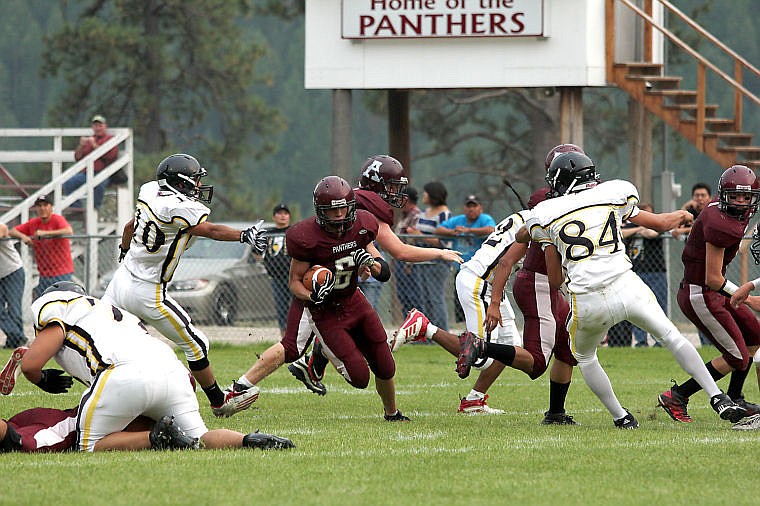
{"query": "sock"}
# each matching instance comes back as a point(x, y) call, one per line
point(557, 395)
point(244, 381)
point(690, 387)
point(504, 353)
point(430, 330)
point(599, 383)
point(736, 383)
point(214, 394)
point(474, 395)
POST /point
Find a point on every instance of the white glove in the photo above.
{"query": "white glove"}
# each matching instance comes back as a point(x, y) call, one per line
point(255, 237)
point(362, 258)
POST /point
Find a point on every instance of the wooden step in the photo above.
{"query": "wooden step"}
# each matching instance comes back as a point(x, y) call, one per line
point(658, 82)
point(749, 152)
point(713, 124)
point(676, 96)
point(691, 109)
point(752, 164)
point(731, 138)
point(641, 69)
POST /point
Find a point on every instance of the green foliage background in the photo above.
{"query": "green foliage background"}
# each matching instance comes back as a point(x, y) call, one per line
point(279, 151)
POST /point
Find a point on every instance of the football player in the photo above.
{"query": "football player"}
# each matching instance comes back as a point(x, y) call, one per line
point(169, 214)
point(580, 231)
point(340, 238)
point(381, 184)
point(704, 295)
point(127, 373)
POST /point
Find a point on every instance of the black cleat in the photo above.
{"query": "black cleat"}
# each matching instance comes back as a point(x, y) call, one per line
point(267, 441)
point(628, 422)
point(558, 419)
point(300, 370)
point(750, 407)
point(726, 408)
point(167, 436)
point(397, 417)
point(675, 405)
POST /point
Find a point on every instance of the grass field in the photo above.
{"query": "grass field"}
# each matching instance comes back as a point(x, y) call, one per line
point(347, 454)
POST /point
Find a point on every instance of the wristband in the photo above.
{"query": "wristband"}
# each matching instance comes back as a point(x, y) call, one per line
point(385, 270)
point(728, 288)
point(755, 283)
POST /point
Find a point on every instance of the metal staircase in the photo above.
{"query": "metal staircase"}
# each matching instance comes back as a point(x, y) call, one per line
point(716, 133)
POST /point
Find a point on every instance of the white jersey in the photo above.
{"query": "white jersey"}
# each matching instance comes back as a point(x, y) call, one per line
point(97, 335)
point(485, 260)
point(585, 228)
point(162, 218)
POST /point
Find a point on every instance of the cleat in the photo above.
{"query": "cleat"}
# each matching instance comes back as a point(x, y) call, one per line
point(413, 329)
point(628, 422)
point(301, 371)
point(726, 408)
point(751, 408)
point(236, 399)
point(674, 405)
point(477, 407)
point(167, 436)
point(397, 417)
point(267, 441)
point(751, 423)
point(558, 419)
point(471, 348)
point(12, 370)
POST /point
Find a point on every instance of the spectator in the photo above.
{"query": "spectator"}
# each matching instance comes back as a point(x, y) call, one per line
point(408, 278)
point(11, 291)
point(87, 144)
point(471, 228)
point(701, 195)
point(52, 251)
point(434, 273)
point(648, 261)
point(277, 263)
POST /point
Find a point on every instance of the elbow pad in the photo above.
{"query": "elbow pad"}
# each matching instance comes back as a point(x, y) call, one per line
point(385, 270)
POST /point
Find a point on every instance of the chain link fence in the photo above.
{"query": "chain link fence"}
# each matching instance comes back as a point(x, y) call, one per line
point(229, 294)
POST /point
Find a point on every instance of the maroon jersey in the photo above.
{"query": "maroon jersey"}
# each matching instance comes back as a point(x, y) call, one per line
point(45, 430)
point(720, 230)
point(534, 258)
point(371, 201)
point(308, 242)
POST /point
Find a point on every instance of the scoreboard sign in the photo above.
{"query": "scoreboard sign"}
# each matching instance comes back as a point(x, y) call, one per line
point(401, 19)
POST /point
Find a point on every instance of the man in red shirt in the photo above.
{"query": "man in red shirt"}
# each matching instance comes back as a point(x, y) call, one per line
point(87, 144)
point(52, 251)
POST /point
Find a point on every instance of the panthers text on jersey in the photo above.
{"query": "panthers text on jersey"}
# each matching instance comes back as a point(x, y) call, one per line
point(162, 218)
point(484, 261)
point(585, 228)
point(308, 242)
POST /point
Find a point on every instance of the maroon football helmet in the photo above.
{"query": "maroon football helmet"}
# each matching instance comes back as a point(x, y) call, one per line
point(384, 175)
point(333, 192)
point(558, 150)
point(739, 180)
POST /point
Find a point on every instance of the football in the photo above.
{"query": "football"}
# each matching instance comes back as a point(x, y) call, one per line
point(316, 274)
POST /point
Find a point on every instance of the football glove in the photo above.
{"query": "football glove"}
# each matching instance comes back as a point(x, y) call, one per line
point(320, 292)
point(362, 258)
point(122, 253)
point(53, 381)
point(255, 237)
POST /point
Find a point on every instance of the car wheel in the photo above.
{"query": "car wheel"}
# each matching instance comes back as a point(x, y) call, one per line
point(225, 307)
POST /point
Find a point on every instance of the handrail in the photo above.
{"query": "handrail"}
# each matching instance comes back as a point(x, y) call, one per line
point(696, 27)
point(691, 51)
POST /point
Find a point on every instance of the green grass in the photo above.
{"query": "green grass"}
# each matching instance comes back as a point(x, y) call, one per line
point(347, 454)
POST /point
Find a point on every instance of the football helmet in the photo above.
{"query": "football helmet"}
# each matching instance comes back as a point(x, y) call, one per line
point(384, 175)
point(571, 172)
point(739, 180)
point(182, 173)
point(65, 286)
point(558, 150)
point(334, 192)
